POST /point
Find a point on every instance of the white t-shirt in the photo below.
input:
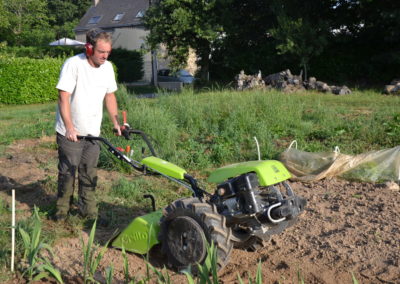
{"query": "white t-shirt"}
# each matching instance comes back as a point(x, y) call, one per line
point(88, 86)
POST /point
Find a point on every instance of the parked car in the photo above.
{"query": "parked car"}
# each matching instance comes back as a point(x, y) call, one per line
point(166, 75)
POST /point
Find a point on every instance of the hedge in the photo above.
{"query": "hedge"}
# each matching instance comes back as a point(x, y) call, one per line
point(26, 80)
point(128, 62)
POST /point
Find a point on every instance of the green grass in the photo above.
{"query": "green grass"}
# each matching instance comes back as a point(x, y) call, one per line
point(198, 131)
point(145, 89)
point(24, 122)
point(209, 129)
point(129, 192)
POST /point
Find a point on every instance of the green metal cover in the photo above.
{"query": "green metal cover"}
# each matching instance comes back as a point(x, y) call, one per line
point(268, 172)
point(164, 167)
point(141, 234)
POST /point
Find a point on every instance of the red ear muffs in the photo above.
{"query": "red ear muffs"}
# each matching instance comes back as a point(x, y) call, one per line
point(89, 49)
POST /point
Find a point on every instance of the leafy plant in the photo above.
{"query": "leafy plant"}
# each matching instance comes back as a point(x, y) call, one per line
point(209, 267)
point(109, 274)
point(91, 256)
point(36, 266)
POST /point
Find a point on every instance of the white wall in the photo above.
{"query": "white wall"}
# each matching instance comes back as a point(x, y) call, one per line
point(131, 39)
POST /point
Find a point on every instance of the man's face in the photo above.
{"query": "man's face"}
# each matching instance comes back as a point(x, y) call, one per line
point(101, 52)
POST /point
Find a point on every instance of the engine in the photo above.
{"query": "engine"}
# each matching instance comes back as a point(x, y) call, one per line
point(240, 199)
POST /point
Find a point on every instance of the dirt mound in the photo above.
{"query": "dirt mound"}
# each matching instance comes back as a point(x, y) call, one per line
point(347, 227)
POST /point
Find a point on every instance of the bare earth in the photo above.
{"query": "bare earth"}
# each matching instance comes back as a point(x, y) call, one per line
point(348, 227)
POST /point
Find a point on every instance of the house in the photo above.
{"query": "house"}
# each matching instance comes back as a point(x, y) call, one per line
point(123, 20)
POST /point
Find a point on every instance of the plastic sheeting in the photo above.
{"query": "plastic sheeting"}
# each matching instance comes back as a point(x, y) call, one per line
point(374, 166)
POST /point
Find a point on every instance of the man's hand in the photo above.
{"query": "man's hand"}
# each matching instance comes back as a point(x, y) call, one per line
point(71, 135)
point(117, 130)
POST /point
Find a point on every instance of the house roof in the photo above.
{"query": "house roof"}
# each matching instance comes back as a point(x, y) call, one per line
point(109, 14)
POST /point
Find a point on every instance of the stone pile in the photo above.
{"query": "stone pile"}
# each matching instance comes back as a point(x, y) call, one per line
point(393, 88)
point(313, 84)
point(287, 82)
point(249, 82)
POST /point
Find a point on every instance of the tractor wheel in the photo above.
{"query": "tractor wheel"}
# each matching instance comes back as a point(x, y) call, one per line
point(243, 240)
point(186, 228)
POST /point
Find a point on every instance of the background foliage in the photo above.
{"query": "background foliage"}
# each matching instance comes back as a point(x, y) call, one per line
point(355, 42)
point(338, 41)
point(26, 81)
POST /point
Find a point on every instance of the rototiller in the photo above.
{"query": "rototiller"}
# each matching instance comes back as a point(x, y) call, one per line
point(252, 201)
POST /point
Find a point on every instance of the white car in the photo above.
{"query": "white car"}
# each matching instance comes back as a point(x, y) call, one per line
point(166, 75)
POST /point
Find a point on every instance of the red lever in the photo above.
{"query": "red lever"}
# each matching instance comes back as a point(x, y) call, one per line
point(124, 116)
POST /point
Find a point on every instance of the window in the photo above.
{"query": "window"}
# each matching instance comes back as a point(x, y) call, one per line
point(94, 20)
point(140, 14)
point(118, 17)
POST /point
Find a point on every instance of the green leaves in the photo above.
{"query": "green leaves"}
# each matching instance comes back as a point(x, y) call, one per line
point(36, 266)
point(28, 81)
point(183, 24)
point(92, 257)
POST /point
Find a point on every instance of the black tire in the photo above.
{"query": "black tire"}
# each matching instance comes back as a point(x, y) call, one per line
point(188, 224)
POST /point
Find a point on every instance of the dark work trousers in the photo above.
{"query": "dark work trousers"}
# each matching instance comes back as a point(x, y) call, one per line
point(82, 156)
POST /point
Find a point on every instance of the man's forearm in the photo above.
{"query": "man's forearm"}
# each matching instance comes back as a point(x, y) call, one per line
point(65, 112)
point(112, 108)
point(65, 109)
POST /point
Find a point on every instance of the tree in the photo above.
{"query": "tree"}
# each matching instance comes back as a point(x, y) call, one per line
point(64, 15)
point(246, 44)
point(303, 35)
point(28, 22)
point(3, 16)
point(184, 24)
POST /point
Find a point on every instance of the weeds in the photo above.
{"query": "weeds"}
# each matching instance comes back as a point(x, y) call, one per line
point(353, 278)
point(257, 279)
point(36, 266)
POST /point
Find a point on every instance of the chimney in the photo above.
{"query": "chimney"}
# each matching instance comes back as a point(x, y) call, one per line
point(95, 2)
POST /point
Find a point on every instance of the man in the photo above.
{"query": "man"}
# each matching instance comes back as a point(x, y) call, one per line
point(86, 80)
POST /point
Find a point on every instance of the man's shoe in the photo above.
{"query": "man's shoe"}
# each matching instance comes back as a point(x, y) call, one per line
point(99, 221)
point(59, 217)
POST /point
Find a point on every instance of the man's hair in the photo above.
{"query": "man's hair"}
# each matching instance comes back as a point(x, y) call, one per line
point(93, 35)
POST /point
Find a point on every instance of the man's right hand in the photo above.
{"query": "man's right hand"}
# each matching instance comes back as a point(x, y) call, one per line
point(71, 135)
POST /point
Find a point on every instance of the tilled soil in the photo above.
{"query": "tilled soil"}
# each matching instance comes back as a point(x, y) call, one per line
point(348, 228)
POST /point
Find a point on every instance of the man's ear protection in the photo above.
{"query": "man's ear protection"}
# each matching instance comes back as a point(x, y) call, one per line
point(89, 49)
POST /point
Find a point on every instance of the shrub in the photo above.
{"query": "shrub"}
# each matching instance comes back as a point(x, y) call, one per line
point(40, 52)
point(26, 81)
point(129, 64)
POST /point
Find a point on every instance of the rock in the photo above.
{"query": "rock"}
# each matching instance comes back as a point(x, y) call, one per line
point(393, 88)
point(393, 186)
point(244, 82)
point(322, 87)
point(388, 89)
point(395, 82)
point(343, 90)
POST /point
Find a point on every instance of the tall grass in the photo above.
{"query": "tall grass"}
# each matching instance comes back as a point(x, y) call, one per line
point(206, 130)
point(209, 129)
